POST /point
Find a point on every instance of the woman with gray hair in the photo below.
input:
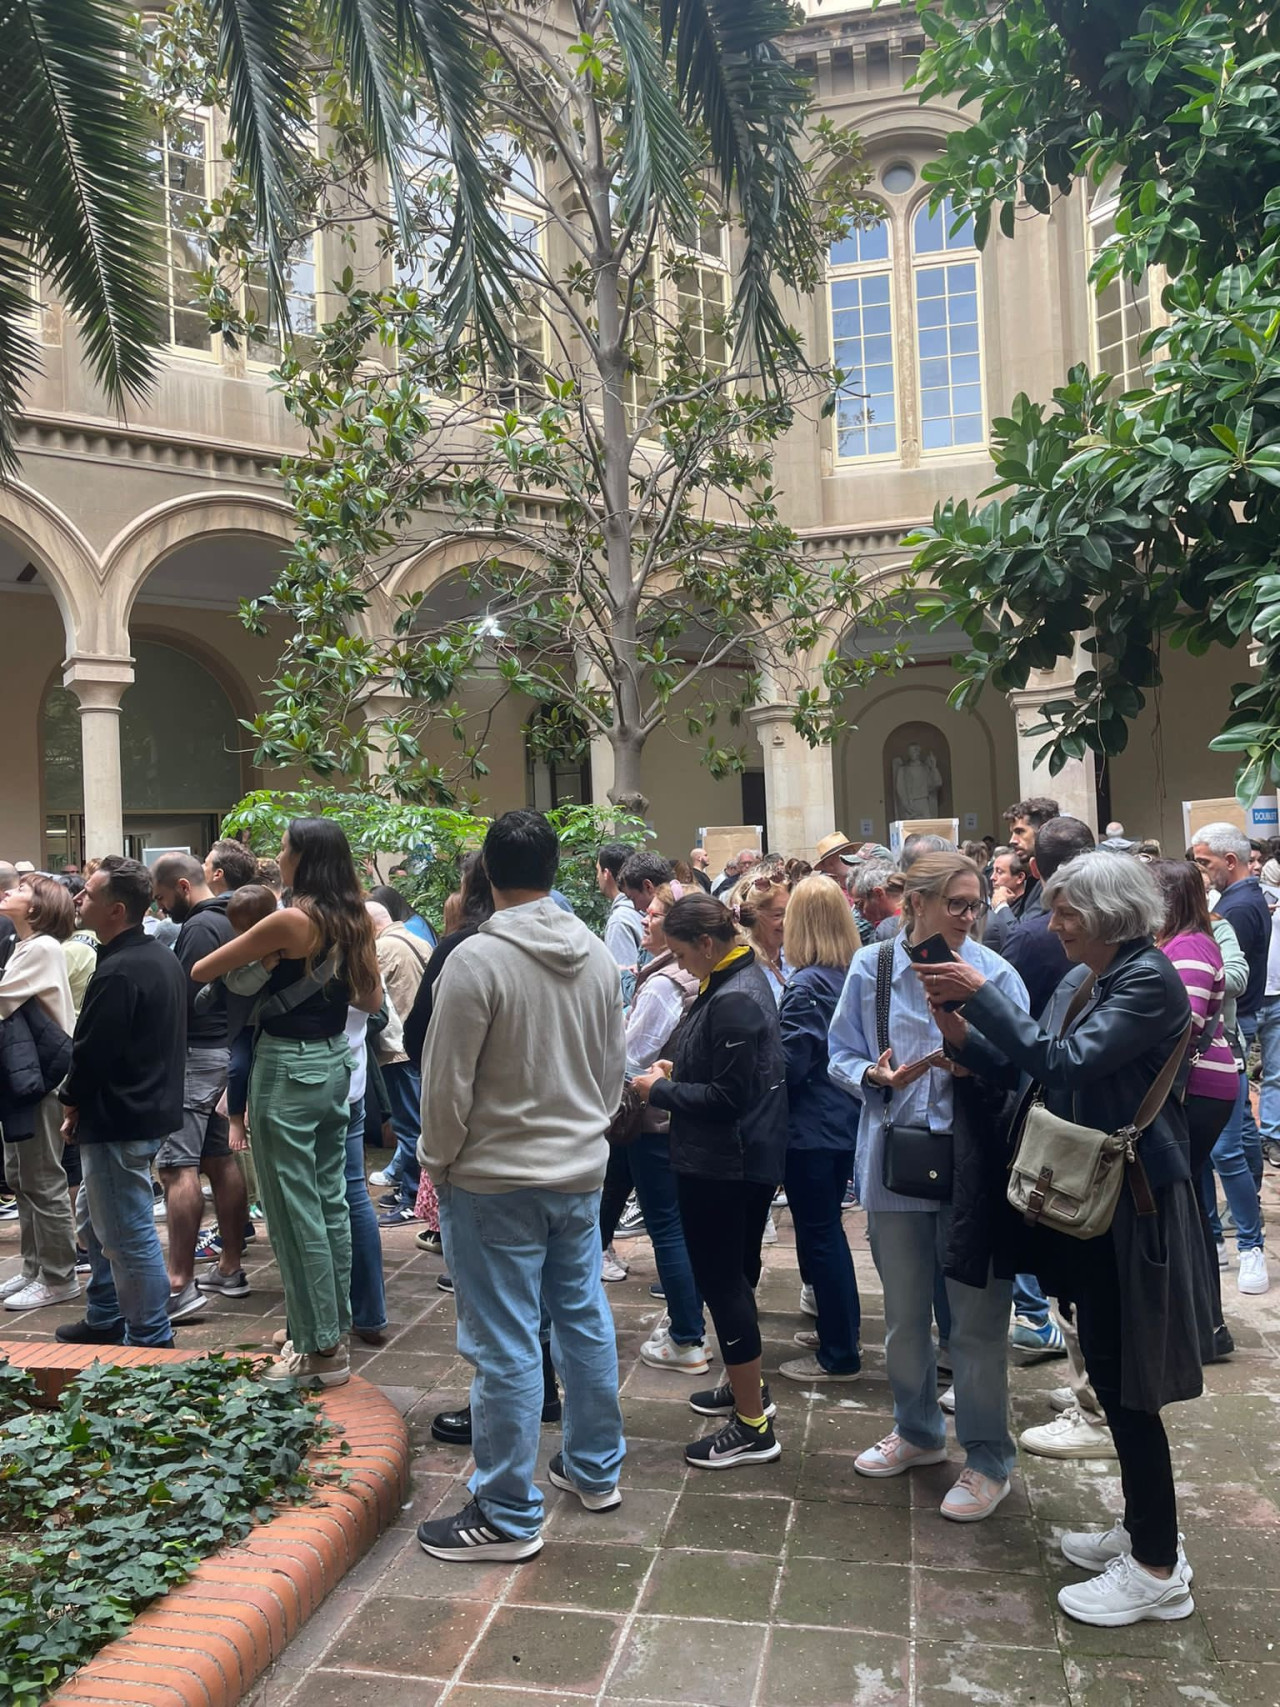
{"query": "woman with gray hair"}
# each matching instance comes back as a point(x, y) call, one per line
point(1139, 1291)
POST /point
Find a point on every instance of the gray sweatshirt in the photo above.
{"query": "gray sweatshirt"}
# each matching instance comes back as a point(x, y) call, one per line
point(524, 1058)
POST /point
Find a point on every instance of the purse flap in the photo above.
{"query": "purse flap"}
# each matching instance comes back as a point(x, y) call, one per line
point(1071, 1151)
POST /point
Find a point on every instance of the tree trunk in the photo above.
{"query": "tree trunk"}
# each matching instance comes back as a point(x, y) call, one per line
point(628, 752)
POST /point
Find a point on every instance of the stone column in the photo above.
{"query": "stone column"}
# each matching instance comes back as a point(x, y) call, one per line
point(1075, 785)
point(799, 788)
point(99, 684)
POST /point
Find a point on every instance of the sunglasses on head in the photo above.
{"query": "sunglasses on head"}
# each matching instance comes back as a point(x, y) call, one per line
point(769, 880)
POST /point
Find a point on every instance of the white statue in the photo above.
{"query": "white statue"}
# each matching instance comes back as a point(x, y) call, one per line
point(917, 783)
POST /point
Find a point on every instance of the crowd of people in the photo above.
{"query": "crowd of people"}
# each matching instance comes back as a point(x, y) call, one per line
point(888, 1029)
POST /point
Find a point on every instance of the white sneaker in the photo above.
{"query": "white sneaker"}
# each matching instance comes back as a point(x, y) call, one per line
point(15, 1283)
point(35, 1295)
point(1063, 1399)
point(611, 1268)
point(808, 1301)
point(892, 1455)
point(1253, 1278)
point(662, 1352)
point(770, 1233)
point(1071, 1435)
point(380, 1176)
point(1093, 1550)
point(947, 1401)
point(1224, 1258)
point(1125, 1593)
point(297, 1369)
point(973, 1496)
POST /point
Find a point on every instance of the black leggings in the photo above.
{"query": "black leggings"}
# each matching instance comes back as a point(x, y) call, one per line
point(1206, 1117)
point(723, 1224)
point(617, 1189)
point(1146, 1473)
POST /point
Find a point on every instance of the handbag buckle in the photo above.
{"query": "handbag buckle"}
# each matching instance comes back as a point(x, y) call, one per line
point(1036, 1197)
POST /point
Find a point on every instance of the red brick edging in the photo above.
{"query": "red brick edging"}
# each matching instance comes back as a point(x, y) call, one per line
point(205, 1644)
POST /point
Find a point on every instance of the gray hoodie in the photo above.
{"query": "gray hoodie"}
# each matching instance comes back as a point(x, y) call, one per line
point(524, 1058)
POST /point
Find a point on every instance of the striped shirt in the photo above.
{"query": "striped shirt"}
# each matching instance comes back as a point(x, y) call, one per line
point(912, 1035)
point(1197, 960)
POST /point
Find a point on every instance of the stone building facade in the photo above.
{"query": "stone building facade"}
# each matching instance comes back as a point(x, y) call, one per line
point(126, 545)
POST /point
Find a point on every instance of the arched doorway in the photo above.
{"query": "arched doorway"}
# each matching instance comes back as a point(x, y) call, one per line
point(181, 758)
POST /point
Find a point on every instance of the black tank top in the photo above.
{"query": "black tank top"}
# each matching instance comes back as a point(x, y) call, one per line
point(322, 1014)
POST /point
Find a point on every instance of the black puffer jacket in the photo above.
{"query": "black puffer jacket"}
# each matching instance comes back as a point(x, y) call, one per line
point(35, 1053)
point(728, 1096)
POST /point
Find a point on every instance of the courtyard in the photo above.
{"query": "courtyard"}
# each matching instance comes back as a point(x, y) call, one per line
point(795, 1584)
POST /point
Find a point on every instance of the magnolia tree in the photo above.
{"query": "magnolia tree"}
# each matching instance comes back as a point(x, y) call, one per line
point(611, 476)
point(1126, 522)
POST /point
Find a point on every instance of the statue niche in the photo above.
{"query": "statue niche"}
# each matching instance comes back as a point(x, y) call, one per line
point(917, 773)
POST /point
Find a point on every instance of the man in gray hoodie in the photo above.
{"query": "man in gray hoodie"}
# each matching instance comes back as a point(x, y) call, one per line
point(521, 1075)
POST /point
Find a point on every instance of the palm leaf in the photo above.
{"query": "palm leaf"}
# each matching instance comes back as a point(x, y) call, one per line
point(261, 54)
point(365, 32)
point(660, 155)
point(75, 199)
point(734, 80)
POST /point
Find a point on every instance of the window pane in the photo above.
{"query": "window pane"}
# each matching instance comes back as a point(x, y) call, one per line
point(951, 403)
point(180, 161)
point(860, 247)
point(932, 231)
point(866, 408)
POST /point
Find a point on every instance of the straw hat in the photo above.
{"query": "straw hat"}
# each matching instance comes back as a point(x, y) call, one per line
point(836, 843)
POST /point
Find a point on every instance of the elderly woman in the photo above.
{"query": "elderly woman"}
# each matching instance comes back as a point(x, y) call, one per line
point(886, 1048)
point(1137, 1289)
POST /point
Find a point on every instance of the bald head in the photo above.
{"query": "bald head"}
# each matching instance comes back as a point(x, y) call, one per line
point(382, 920)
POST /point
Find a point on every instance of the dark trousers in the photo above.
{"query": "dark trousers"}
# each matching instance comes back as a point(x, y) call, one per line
point(617, 1189)
point(815, 1182)
point(723, 1224)
point(1146, 1472)
point(1206, 1118)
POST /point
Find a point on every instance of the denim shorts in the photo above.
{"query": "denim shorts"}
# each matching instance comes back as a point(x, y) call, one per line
point(203, 1133)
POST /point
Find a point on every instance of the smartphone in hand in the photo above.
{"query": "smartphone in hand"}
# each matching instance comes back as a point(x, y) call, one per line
point(933, 951)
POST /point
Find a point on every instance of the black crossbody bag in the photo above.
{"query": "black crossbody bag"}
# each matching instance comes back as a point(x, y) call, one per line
point(916, 1161)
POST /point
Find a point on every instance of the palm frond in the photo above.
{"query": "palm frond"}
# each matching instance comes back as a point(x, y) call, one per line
point(75, 198)
point(734, 79)
point(479, 270)
point(19, 357)
point(660, 155)
point(365, 33)
point(261, 57)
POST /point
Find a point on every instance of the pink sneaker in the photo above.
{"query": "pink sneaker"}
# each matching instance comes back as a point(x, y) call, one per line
point(973, 1497)
point(892, 1455)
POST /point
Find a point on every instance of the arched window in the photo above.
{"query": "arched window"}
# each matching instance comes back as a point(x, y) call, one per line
point(1121, 315)
point(945, 270)
point(860, 295)
point(181, 162)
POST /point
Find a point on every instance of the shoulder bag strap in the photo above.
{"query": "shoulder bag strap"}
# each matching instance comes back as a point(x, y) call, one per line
point(1077, 1004)
point(884, 991)
point(293, 995)
point(1157, 1096)
point(412, 940)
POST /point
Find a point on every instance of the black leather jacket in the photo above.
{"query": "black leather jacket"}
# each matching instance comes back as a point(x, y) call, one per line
point(728, 1096)
point(1099, 1074)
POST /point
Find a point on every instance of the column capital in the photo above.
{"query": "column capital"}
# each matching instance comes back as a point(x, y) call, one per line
point(97, 682)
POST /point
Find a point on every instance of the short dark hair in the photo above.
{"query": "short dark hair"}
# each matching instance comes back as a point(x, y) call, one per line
point(1017, 865)
point(129, 885)
point(250, 904)
point(613, 856)
point(1185, 903)
point(1036, 811)
point(393, 901)
point(178, 868)
point(237, 865)
point(1059, 840)
point(644, 868)
point(699, 915)
point(521, 851)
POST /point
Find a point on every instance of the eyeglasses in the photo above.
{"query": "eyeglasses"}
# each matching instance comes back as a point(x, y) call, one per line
point(959, 909)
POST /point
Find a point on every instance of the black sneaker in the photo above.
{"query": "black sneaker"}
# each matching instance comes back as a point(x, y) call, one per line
point(468, 1534)
point(735, 1443)
point(1271, 1152)
point(454, 1427)
point(631, 1221)
point(718, 1401)
point(429, 1241)
point(1223, 1344)
point(80, 1333)
point(593, 1502)
point(444, 1283)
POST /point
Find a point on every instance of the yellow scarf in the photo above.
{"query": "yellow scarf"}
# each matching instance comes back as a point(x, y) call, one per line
point(733, 954)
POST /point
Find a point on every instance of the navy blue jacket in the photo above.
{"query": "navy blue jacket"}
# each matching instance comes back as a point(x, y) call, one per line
point(1245, 909)
point(1038, 957)
point(821, 1116)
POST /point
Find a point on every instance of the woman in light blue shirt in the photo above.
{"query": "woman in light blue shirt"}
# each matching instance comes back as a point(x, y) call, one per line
point(910, 1085)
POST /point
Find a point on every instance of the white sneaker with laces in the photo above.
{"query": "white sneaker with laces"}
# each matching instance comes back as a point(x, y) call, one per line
point(892, 1455)
point(295, 1368)
point(15, 1283)
point(611, 1268)
point(381, 1177)
point(1063, 1399)
point(662, 1352)
point(1253, 1278)
point(1093, 1550)
point(973, 1496)
point(36, 1294)
point(808, 1301)
point(947, 1401)
point(1070, 1435)
point(1126, 1593)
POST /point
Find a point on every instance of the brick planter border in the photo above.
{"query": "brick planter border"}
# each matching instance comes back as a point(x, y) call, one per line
point(205, 1644)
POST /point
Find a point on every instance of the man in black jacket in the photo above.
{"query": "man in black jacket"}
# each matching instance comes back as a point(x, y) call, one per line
point(202, 1140)
point(123, 1095)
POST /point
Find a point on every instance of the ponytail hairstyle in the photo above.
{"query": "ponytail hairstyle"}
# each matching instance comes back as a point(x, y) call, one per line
point(699, 915)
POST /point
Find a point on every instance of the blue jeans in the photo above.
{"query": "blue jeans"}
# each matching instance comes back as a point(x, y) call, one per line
point(907, 1245)
point(1029, 1300)
point(1250, 1137)
point(115, 1219)
point(509, 1252)
point(1238, 1184)
point(404, 1092)
point(815, 1181)
point(368, 1293)
point(650, 1158)
point(1269, 1039)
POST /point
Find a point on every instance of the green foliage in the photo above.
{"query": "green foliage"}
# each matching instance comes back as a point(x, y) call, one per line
point(425, 844)
point(1128, 523)
point(114, 1496)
